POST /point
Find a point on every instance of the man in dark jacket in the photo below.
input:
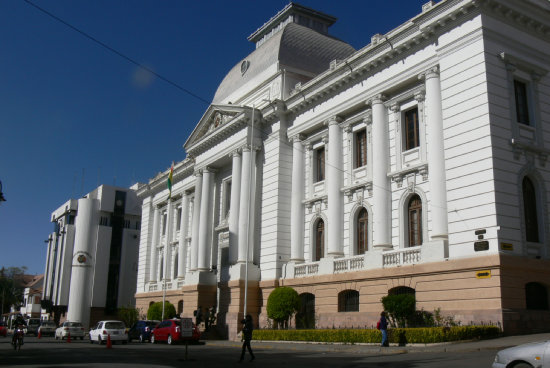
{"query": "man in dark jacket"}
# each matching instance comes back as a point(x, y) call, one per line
point(384, 329)
point(248, 327)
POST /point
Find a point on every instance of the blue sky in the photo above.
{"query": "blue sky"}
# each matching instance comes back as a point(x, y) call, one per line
point(74, 115)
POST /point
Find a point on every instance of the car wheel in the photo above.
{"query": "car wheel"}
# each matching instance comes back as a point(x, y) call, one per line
point(152, 339)
point(522, 365)
point(169, 341)
point(141, 338)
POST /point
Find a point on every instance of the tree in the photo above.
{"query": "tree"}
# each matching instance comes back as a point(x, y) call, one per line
point(11, 287)
point(155, 311)
point(128, 315)
point(400, 308)
point(283, 302)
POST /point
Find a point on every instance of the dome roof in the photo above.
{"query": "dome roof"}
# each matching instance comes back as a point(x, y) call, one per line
point(295, 47)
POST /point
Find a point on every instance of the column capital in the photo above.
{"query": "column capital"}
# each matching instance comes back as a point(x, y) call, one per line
point(395, 107)
point(368, 118)
point(333, 120)
point(376, 99)
point(299, 137)
point(347, 129)
point(209, 169)
point(235, 152)
point(432, 72)
point(197, 172)
point(324, 139)
point(249, 148)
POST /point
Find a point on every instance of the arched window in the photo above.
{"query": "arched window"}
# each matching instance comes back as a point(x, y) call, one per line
point(319, 240)
point(401, 290)
point(348, 301)
point(305, 318)
point(414, 210)
point(530, 211)
point(362, 231)
point(536, 296)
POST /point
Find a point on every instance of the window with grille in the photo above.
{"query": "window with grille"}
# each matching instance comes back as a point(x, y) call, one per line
point(348, 301)
point(411, 128)
point(319, 240)
point(415, 221)
point(178, 219)
point(530, 211)
point(361, 148)
point(362, 231)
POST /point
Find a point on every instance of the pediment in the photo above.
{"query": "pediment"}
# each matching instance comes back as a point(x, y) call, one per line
point(215, 118)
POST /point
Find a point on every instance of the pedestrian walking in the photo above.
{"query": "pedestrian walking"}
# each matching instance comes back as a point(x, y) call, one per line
point(248, 327)
point(207, 319)
point(383, 327)
point(198, 316)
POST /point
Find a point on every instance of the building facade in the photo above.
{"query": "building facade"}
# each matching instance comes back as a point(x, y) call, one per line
point(91, 262)
point(416, 164)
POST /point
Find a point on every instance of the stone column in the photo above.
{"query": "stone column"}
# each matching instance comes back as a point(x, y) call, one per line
point(436, 156)
point(380, 182)
point(154, 244)
point(205, 233)
point(246, 212)
point(234, 207)
point(296, 205)
point(80, 297)
point(168, 247)
point(196, 221)
point(333, 182)
point(184, 221)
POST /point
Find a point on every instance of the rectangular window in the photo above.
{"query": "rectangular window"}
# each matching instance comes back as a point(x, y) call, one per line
point(360, 148)
point(522, 106)
point(412, 136)
point(227, 198)
point(164, 219)
point(178, 219)
point(126, 224)
point(320, 164)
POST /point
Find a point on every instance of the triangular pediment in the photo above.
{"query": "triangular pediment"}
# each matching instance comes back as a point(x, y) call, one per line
point(215, 117)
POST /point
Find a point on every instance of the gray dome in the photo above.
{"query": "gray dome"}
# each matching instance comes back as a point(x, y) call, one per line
point(294, 47)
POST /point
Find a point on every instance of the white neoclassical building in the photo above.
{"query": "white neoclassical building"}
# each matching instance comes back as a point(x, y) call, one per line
point(417, 164)
point(92, 255)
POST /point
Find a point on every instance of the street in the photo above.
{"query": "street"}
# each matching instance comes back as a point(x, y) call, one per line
point(48, 352)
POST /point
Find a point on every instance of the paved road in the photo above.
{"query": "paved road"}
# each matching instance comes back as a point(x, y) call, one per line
point(48, 353)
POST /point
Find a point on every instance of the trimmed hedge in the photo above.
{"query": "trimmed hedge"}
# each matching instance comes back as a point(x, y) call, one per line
point(395, 335)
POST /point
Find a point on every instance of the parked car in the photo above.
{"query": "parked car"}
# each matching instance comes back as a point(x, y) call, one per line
point(32, 326)
point(101, 332)
point(47, 328)
point(3, 329)
point(535, 354)
point(141, 330)
point(169, 330)
point(75, 329)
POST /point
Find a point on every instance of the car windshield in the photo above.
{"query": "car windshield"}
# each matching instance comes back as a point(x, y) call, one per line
point(73, 324)
point(114, 325)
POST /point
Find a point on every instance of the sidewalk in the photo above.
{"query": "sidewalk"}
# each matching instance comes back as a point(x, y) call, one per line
point(463, 346)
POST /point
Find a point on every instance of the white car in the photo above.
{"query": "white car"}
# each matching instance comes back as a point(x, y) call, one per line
point(73, 329)
point(115, 329)
point(532, 355)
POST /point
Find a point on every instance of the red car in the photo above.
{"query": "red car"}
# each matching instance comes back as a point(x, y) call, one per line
point(3, 329)
point(169, 330)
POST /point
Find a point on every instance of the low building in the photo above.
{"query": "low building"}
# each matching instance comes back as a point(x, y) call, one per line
point(417, 164)
point(91, 261)
point(32, 296)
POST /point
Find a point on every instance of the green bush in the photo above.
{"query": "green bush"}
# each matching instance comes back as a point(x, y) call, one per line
point(128, 315)
point(282, 303)
point(155, 311)
point(395, 335)
point(400, 308)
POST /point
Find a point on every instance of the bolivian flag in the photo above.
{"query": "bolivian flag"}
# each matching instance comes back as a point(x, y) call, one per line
point(169, 183)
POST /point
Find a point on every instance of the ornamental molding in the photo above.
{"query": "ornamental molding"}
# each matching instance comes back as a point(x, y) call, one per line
point(398, 176)
point(529, 150)
point(182, 170)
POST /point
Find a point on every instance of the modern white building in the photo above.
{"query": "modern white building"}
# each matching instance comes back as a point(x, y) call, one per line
point(91, 262)
point(417, 164)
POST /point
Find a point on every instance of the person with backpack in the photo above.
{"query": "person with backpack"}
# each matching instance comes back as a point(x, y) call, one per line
point(382, 325)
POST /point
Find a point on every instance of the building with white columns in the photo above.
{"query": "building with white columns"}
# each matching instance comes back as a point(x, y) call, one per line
point(92, 255)
point(417, 164)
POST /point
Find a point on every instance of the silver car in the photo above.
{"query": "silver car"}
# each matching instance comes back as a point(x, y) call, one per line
point(70, 329)
point(105, 330)
point(532, 355)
